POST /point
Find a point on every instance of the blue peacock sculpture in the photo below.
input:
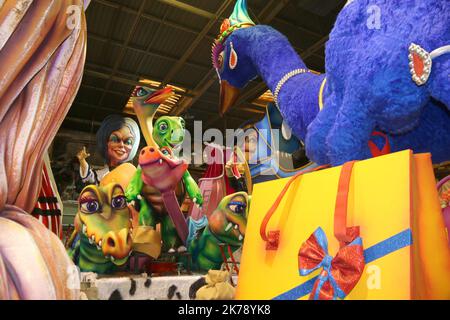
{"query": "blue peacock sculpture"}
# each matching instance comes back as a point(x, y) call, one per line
point(392, 78)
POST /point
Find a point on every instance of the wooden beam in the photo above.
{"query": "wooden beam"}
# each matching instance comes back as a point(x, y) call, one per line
point(148, 53)
point(97, 74)
point(188, 8)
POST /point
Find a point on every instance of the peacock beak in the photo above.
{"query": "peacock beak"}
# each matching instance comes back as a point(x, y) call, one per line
point(228, 96)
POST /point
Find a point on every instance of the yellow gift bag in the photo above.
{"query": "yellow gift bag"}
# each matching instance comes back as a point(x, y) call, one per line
point(367, 230)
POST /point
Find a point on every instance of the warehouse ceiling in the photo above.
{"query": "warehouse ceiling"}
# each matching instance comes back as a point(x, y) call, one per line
point(160, 42)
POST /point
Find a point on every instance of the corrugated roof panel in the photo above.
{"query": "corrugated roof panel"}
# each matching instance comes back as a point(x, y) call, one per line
point(207, 5)
point(155, 8)
point(121, 26)
point(99, 18)
point(173, 41)
point(186, 18)
point(109, 55)
point(144, 33)
point(91, 81)
point(114, 101)
point(131, 61)
point(189, 75)
point(155, 68)
point(134, 4)
point(89, 95)
point(124, 89)
point(202, 54)
point(94, 50)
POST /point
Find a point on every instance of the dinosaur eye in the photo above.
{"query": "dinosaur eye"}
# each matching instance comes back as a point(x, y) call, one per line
point(237, 207)
point(140, 92)
point(90, 206)
point(166, 151)
point(183, 123)
point(163, 126)
point(118, 202)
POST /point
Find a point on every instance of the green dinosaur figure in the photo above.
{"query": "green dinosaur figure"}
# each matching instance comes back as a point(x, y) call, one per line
point(101, 241)
point(226, 227)
point(167, 134)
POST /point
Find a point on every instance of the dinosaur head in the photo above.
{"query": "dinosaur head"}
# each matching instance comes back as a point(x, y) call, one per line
point(229, 221)
point(143, 96)
point(230, 56)
point(103, 221)
point(169, 132)
point(161, 169)
point(146, 102)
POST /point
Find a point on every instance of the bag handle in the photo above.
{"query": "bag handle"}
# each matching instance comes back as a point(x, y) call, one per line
point(272, 237)
point(374, 150)
point(343, 234)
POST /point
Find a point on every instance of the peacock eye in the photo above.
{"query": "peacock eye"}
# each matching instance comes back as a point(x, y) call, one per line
point(90, 206)
point(119, 202)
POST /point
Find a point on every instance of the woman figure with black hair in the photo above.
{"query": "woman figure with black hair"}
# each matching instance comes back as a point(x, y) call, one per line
point(117, 141)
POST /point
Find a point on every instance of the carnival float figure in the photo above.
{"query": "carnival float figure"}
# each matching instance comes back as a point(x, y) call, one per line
point(41, 60)
point(225, 229)
point(160, 184)
point(117, 141)
point(103, 229)
point(391, 79)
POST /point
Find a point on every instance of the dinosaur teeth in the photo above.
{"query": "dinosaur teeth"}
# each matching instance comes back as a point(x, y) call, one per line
point(99, 248)
point(131, 251)
point(84, 229)
point(160, 161)
point(100, 243)
point(112, 259)
point(90, 240)
point(236, 226)
point(241, 237)
point(228, 227)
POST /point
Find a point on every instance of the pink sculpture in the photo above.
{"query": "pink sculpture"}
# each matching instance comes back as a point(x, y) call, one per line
point(42, 54)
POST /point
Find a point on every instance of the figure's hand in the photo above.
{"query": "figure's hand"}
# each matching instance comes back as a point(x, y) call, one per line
point(133, 191)
point(197, 198)
point(192, 189)
point(229, 168)
point(83, 154)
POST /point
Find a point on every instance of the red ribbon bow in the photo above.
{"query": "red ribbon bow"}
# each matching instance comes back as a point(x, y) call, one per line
point(340, 274)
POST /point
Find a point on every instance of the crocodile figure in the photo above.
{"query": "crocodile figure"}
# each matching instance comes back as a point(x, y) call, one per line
point(101, 241)
point(226, 227)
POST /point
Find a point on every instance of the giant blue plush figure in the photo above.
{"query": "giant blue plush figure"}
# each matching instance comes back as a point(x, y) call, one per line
point(390, 74)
